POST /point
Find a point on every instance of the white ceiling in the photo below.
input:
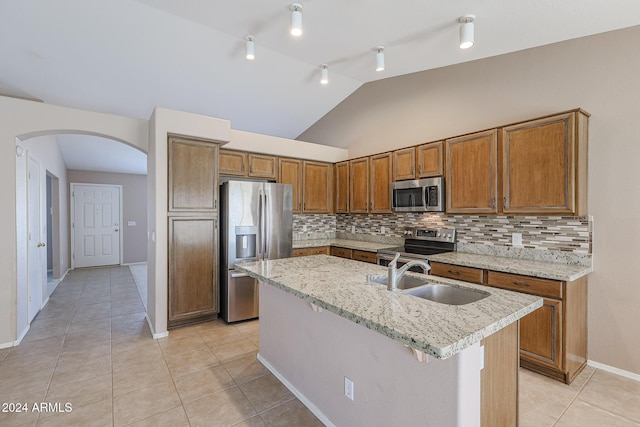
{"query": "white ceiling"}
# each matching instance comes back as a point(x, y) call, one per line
point(127, 56)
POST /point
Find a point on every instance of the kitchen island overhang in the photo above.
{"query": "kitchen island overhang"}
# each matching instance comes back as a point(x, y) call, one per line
point(312, 351)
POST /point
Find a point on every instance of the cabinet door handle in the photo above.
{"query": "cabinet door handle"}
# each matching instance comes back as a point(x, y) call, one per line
point(525, 284)
point(493, 203)
point(457, 273)
point(504, 203)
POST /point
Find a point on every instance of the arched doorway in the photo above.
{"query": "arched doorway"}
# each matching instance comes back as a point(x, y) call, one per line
point(46, 165)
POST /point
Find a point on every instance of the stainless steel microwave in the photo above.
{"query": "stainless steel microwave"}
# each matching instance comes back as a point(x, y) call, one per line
point(419, 195)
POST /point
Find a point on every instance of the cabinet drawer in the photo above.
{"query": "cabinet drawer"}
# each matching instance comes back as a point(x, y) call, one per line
point(466, 274)
point(321, 250)
point(300, 252)
point(341, 252)
point(364, 256)
point(526, 284)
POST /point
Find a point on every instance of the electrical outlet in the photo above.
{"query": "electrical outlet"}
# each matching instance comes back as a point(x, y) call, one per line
point(382, 230)
point(304, 228)
point(516, 239)
point(353, 228)
point(348, 388)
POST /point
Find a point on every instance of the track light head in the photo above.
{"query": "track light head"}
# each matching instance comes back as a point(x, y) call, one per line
point(296, 19)
point(379, 58)
point(324, 76)
point(466, 31)
point(250, 48)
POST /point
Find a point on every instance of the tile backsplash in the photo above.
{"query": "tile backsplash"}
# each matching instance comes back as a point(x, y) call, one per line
point(569, 234)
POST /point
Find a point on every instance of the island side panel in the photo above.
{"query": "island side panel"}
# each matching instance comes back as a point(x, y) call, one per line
point(313, 352)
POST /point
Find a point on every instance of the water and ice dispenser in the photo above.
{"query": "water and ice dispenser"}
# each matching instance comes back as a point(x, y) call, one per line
point(246, 242)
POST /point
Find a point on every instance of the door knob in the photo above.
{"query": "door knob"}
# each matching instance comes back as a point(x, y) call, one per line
point(116, 230)
point(41, 245)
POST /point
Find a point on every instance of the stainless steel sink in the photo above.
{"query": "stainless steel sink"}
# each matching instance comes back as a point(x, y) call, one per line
point(451, 295)
point(406, 282)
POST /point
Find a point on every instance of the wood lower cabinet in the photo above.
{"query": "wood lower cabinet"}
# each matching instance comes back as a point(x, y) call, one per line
point(318, 250)
point(380, 174)
point(232, 163)
point(317, 182)
point(193, 181)
point(466, 274)
point(553, 339)
point(355, 254)
point(472, 173)
point(404, 164)
point(342, 187)
point(364, 256)
point(541, 335)
point(544, 165)
point(430, 159)
point(290, 172)
point(193, 269)
point(341, 252)
point(359, 185)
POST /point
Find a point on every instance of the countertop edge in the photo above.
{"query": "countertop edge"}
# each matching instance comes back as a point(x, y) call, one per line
point(432, 350)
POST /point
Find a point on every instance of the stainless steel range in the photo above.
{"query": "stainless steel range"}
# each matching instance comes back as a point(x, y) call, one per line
point(418, 244)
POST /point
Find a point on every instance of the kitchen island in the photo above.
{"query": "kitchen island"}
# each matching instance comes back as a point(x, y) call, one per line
point(321, 321)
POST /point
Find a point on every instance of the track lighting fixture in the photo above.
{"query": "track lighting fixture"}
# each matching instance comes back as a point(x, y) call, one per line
point(324, 76)
point(466, 31)
point(251, 48)
point(296, 19)
point(379, 58)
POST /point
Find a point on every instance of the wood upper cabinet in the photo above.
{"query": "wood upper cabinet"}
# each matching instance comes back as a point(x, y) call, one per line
point(290, 172)
point(472, 173)
point(404, 164)
point(232, 163)
point(193, 268)
point(381, 175)
point(539, 162)
point(359, 185)
point(193, 181)
point(430, 159)
point(317, 182)
point(263, 166)
point(342, 187)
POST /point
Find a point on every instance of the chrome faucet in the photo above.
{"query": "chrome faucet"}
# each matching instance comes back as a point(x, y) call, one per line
point(395, 274)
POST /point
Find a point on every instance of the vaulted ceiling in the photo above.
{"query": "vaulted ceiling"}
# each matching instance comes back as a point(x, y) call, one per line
point(127, 56)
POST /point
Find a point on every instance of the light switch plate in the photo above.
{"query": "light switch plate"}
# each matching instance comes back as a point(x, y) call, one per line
point(131, 223)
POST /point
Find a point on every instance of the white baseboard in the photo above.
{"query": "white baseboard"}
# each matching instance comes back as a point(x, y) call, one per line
point(44, 303)
point(136, 263)
point(301, 397)
point(614, 370)
point(153, 332)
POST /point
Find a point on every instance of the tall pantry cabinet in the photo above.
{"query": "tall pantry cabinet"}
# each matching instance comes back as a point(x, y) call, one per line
point(193, 230)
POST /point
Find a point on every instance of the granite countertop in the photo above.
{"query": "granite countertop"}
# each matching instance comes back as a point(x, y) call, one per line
point(525, 267)
point(343, 243)
point(339, 285)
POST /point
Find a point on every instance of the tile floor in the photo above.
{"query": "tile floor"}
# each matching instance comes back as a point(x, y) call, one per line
point(90, 346)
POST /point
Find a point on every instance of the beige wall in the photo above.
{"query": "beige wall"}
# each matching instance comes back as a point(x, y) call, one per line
point(22, 120)
point(597, 73)
point(134, 208)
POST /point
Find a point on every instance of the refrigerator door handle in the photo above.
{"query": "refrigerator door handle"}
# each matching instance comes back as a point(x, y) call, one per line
point(260, 227)
point(237, 275)
point(266, 224)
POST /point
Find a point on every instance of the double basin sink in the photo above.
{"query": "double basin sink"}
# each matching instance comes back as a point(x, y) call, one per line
point(443, 294)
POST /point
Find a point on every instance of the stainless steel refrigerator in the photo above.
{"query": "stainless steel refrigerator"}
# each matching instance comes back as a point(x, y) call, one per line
point(256, 224)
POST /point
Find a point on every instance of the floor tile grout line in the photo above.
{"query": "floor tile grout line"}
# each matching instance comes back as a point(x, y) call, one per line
point(575, 397)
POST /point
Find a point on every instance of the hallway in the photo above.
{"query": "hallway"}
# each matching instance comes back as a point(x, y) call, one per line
point(91, 347)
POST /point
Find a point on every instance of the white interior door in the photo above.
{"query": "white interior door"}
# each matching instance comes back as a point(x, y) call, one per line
point(96, 225)
point(35, 242)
